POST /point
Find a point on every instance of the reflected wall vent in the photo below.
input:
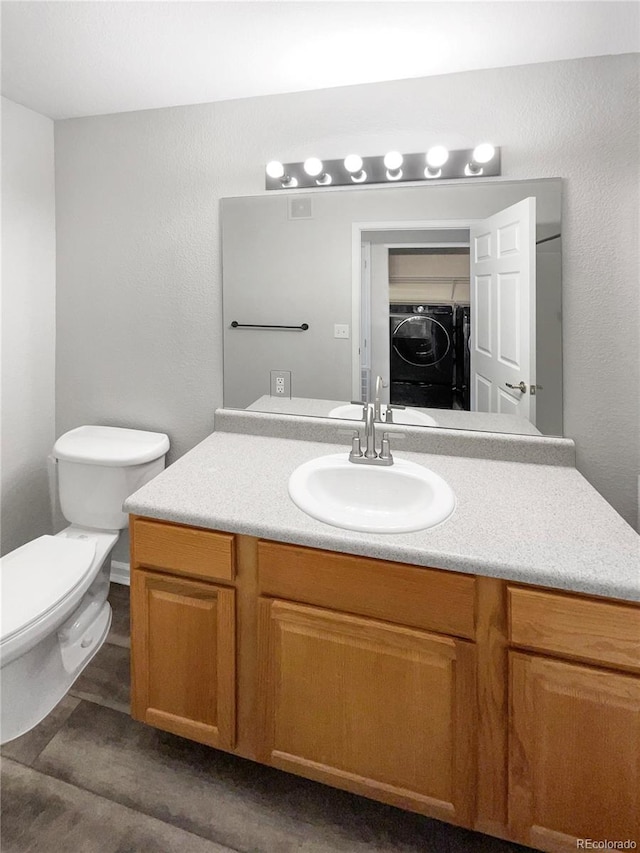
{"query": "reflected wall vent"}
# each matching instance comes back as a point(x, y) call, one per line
point(300, 207)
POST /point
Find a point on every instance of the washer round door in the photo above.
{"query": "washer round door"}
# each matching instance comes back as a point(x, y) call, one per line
point(421, 341)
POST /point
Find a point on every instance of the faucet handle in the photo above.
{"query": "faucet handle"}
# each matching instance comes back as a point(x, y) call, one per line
point(356, 449)
point(364, 404)
point(388, 415)
point(385, 446)
point(385, 449)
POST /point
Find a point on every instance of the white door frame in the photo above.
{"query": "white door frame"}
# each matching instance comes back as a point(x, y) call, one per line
point(364, 358)
point(356, 272)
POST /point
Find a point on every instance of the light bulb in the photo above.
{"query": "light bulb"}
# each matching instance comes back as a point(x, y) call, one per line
point(275, 169)
point(437, 156)
point(313, 166)
point(353, 163)
point(393, 160)
point(483, 153)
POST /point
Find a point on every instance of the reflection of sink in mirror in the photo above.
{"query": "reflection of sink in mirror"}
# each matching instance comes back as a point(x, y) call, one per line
point(396, 499)
point(408, 417)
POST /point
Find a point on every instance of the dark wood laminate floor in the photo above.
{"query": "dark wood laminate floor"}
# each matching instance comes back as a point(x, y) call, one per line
point(89, 779)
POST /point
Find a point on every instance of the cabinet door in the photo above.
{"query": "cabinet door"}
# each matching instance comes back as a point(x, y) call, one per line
point(574, 763)
point(183, 657)
point(375, 708)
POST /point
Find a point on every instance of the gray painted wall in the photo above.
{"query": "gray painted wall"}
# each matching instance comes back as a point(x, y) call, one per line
point(549, 346)
point(28, 322)
point(139, 288)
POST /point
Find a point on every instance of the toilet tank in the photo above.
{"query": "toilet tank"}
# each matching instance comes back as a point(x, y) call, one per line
point(99, 467)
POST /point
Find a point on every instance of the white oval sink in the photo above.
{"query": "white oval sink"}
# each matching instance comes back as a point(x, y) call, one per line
point(373, 499)
point(409, 417)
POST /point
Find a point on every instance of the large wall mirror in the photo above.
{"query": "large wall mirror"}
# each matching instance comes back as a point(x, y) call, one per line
point(442, 302)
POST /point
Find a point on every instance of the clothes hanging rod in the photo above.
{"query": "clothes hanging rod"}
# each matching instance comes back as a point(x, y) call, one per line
point(235, 325)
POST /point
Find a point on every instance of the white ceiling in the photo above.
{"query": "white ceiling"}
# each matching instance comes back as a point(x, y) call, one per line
point(67, 59)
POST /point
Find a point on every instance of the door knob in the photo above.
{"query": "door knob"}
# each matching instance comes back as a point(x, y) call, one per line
point(519, 387)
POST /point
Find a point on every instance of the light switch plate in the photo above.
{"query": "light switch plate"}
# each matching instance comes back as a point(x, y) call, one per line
point(340, 330)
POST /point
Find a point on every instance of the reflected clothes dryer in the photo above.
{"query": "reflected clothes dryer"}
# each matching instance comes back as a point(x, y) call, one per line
point(421, 355)
point(463, 356)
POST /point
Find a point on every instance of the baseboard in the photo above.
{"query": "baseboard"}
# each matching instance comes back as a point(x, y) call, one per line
point(120, 573)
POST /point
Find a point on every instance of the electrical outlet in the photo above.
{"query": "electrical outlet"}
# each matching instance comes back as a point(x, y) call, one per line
point(281, 383)
point(340, 330)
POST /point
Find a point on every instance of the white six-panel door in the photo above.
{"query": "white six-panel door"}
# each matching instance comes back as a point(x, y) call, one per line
point(503, 311)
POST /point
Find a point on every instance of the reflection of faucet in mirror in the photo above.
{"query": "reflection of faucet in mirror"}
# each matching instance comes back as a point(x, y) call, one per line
point(380, 384)
point(377, 406)
point(370, 456)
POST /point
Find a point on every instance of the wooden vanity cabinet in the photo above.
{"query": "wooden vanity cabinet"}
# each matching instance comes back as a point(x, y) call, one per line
point(377, 708)
point(574, 737)
point(507, 708)
point(574, 762)
point(183, 632)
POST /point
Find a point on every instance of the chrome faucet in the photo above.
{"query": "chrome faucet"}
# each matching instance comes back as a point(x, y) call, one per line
point(377, 408)
point(370, 456)
point(380, 384)
point(368, 415)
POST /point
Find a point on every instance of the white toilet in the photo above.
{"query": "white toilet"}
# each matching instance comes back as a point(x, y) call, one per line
point(55, 613)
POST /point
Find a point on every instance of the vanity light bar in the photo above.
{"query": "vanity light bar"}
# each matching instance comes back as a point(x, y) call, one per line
point(391, 168)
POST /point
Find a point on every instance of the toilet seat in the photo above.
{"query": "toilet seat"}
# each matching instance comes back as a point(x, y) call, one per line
point(37, 577)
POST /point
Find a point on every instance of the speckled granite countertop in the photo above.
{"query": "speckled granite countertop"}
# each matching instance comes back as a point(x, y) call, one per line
point(539, 524)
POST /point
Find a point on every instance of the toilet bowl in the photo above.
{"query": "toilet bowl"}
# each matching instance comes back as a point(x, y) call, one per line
point(55, 613)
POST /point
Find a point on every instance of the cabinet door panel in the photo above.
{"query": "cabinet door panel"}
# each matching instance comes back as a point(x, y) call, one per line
point(574, 768)
point(183, 656)
point(369, 706)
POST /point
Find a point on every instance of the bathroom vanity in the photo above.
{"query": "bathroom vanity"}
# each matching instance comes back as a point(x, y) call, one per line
point(485, 672)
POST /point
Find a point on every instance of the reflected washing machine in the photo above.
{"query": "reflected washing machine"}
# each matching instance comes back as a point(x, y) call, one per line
point(421, 357)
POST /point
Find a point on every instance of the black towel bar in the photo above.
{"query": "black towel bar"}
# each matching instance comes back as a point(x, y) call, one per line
point(235, 325)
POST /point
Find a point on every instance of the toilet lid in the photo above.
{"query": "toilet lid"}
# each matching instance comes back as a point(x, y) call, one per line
point(37, 576)
point(110, 446)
